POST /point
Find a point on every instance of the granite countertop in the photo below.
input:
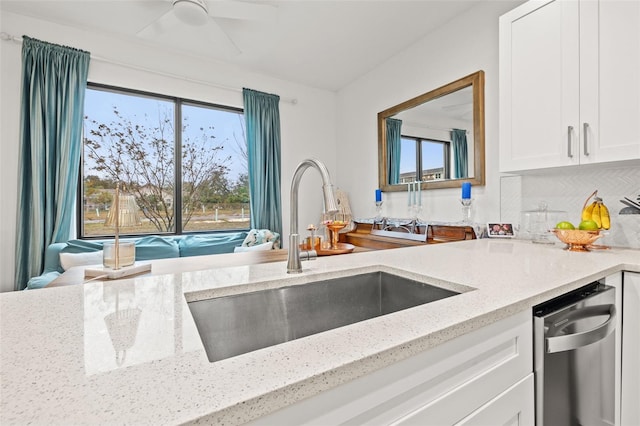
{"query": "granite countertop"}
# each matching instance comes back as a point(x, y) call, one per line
point(129, 352)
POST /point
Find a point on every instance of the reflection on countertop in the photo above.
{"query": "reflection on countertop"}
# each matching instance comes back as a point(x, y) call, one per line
point(131, 323)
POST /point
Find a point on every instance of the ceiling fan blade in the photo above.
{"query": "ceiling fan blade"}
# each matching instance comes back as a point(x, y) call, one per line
point(235, 9)
point(167, 22)
point(216, 35)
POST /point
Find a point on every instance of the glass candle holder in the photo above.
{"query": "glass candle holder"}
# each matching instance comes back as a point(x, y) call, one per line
point(126, 254)
point(378, 209)
point(467, 210)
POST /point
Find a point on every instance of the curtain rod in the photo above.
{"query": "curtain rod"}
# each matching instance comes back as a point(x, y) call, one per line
point(8, 37)
point(425, 126)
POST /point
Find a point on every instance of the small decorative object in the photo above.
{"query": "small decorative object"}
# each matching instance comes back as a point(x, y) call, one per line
point(126, 254)
point(378, 210)
point(123, 212)
point(500, 230)
point(378, 203)
point(576, 239)
point(330, 245)
point(466, 190)
point(467, 203)
point(119, 258)
point(414, 198)
point(467, 210)
point(313, 242)
point(536, 224)
point(406, 229)
point(335, 226)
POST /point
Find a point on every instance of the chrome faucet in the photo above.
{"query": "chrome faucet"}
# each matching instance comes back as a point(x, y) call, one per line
point(330, 206)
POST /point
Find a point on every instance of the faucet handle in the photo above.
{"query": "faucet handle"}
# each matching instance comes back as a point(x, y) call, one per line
point(308, 255)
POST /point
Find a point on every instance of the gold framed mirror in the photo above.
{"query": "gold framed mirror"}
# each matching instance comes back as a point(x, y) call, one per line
point(437, 137)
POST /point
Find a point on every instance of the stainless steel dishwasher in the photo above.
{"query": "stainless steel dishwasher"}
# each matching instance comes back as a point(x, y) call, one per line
point(574, 358)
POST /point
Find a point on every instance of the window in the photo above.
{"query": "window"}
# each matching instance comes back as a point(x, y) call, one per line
point(190, 177)
point(429, 156)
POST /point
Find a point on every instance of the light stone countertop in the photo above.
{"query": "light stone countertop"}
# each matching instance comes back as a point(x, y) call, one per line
point(62, 360)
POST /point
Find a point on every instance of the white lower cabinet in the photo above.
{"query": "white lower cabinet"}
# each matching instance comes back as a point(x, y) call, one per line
point(630, 393)
point(481, 378)
point(513, 407)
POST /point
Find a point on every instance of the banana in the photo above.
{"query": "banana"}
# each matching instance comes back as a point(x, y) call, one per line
point(587, 212)
point(604, 215)
point(595, 214)
point(596, 211)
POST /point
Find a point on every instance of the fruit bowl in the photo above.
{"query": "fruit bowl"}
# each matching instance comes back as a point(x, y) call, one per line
point(576, 239)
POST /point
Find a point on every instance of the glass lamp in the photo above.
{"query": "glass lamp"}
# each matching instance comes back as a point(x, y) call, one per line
point(123, 213)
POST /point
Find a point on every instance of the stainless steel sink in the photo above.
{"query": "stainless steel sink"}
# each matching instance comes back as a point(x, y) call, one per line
point(233, 325)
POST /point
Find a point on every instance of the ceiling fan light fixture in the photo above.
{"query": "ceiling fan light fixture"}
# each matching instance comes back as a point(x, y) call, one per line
point(192, 12)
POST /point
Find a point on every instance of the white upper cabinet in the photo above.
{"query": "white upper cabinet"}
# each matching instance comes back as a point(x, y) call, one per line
point(569, 83)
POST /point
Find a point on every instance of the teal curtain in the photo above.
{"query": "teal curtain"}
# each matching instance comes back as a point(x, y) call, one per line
point(262, 118)
point(394, 136)
point(54, 79)
point(459, 147)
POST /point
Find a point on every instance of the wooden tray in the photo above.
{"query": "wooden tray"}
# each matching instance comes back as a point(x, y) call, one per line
point(343, 248)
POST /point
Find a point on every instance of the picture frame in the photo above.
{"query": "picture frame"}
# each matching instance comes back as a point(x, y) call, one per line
point(500, 230)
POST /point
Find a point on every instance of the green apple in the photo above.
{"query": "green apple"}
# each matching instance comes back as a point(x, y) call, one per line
point(565, 225)
point(588, 225)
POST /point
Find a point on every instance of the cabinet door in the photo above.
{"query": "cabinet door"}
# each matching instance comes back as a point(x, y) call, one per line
point(630, 411)
point(609, 80)
point(440, 386)
point(513, 407)
point(539, 86)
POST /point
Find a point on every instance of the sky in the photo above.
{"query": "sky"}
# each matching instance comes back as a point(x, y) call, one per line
point(431, 156)
point(228, 125)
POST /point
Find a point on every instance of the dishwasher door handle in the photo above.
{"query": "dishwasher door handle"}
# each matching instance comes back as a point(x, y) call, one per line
point(571, 342)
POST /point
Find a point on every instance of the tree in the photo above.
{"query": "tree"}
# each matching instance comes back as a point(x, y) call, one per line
point(240, 191)
point(96, 190)
point(241, 145)
point(141, 155)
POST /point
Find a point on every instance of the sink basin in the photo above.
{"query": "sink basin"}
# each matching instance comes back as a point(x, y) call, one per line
point(237, 324)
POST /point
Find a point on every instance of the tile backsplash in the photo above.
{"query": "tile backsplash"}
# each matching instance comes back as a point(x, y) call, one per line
point(567, 189)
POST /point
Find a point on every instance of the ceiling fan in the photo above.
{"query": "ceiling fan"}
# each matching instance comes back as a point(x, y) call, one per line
point(202, 17)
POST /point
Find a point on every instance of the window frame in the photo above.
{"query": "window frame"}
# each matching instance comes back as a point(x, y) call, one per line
point(178, 102)
point(446, 155)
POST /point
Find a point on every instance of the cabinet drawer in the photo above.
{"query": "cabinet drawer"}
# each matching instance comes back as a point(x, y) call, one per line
point(446, 383)
point(513, 407)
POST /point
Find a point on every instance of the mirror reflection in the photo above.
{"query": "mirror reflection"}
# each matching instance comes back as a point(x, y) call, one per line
point(436, 138)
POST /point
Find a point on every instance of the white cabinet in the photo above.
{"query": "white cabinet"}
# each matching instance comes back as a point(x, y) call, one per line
point(569, 83)
point(513, 407)
point(482, 377)
point(630, 394)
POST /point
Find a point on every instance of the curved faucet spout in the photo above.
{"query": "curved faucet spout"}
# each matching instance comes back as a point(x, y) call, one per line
point(330, 206)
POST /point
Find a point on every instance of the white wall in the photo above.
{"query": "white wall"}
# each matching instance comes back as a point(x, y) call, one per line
point(466, 44)
point(566, 189)
point(308, 127)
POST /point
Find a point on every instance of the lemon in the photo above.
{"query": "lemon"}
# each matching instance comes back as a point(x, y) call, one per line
point(588, 225)
point(565, 225)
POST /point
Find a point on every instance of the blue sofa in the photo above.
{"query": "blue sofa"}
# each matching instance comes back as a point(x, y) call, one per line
point(147, 248)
